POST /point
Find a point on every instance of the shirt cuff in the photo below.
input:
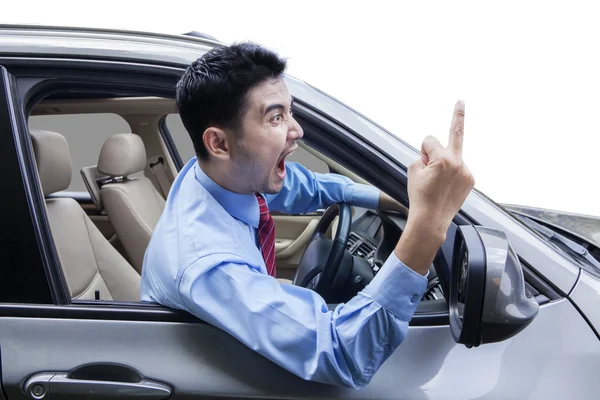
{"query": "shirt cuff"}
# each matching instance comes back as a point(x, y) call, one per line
point(397, 288)
point(360, 195)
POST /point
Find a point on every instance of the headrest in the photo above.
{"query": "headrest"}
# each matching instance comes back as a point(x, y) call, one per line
point(122, 154)
point(53, 160)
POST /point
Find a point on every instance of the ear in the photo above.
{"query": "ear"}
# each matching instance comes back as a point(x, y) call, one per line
point(216, 143)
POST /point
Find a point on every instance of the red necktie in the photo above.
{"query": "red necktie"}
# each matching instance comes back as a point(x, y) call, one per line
point(266, 235)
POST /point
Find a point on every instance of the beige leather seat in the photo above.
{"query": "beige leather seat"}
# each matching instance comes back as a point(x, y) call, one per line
point(88, 260)
point(132, 204)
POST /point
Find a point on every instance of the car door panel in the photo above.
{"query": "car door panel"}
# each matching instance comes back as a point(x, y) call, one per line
point(200, 361)
point(292, 234)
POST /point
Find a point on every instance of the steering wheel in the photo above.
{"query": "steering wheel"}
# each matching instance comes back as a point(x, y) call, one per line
point(326, 265)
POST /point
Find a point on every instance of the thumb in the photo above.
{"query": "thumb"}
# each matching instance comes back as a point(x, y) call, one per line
point(417, 165)
point(430, 148)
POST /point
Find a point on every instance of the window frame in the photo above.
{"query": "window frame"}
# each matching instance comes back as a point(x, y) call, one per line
point(166, 136)
point(19, 169)
point(29, 85)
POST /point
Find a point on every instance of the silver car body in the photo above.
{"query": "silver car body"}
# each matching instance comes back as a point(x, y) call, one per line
point(557, 356)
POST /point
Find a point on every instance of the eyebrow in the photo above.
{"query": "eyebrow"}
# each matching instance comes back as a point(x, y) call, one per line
point(276, 106)
point(273, 107)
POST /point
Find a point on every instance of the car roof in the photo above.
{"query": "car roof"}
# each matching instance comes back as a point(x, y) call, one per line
point(100, 43)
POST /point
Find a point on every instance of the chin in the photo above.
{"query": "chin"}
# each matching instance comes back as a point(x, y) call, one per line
point(274, 188)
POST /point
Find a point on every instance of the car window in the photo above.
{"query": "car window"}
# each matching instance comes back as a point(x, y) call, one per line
point(186, 149)
point(180, 136)
point(311, 162)
point(85, 133)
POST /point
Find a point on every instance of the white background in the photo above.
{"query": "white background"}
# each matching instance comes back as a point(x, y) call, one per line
point(529, 73)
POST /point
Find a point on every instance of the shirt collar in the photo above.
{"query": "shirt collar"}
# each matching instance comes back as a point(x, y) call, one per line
point(241, 206)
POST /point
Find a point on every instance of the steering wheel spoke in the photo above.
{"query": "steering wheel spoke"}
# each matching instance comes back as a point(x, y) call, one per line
point(321, 265)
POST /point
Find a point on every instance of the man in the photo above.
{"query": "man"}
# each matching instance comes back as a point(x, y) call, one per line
point(212, 251)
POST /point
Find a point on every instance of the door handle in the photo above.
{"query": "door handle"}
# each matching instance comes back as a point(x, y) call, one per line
point(65, 385)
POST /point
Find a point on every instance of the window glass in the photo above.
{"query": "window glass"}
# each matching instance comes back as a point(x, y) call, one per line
point(85, 133)
point(180, 136)
point(308, 160)
point(186, 149)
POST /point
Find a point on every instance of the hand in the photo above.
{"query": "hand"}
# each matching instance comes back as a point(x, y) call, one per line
point(439, 182)
point(438, 185)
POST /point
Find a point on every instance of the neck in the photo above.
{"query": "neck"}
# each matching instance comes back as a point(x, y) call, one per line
point(221, 174)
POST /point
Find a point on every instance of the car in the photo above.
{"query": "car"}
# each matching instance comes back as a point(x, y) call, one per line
point(91, 141)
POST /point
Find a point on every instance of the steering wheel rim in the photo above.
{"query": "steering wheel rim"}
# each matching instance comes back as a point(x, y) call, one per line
point(329, 280)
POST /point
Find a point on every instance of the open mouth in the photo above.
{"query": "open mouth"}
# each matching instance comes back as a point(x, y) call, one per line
point(280, 168)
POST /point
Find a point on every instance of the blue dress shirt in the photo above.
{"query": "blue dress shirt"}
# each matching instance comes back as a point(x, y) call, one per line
point(203, 258)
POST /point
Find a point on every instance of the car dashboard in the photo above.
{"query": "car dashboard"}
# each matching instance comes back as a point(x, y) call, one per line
point(374, 236)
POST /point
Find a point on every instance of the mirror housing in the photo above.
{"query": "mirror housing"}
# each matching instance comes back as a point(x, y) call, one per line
point(487, 301)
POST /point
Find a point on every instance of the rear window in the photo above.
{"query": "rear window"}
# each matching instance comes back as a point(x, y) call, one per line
point(85, 133)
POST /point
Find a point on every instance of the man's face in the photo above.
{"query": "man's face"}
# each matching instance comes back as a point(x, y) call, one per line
point(267, 136)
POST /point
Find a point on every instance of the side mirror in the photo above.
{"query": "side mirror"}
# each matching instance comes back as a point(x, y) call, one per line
point(487, 300)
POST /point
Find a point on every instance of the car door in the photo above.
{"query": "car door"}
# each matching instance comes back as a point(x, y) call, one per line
point(54, 347)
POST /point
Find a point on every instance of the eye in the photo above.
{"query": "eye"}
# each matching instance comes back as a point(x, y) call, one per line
point(277, 118)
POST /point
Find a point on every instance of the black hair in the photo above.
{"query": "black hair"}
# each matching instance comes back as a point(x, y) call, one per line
point(213, 90)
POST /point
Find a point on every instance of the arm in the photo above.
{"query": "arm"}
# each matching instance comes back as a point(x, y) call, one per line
point(438, 185)
point(293, 327)
point(306, 191)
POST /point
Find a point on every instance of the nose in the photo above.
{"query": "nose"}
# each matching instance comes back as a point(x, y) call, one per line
point(295, 131)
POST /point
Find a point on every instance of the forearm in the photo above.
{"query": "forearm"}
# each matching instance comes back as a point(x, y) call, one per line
point(419, 241)
point(291, 326)
point(418, 245)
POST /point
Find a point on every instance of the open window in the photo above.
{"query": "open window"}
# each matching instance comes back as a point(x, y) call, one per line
point(71, 111)
point(150, 114)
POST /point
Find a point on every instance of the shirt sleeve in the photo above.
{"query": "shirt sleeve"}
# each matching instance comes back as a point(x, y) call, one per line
point(293, 327)
point(305, 191)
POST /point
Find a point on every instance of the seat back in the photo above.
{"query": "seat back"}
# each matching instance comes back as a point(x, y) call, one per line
point(90, 177)
point(91, 265)
point(132, 204)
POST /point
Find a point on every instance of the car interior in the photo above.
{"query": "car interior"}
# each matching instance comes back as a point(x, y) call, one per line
point(105, 165)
